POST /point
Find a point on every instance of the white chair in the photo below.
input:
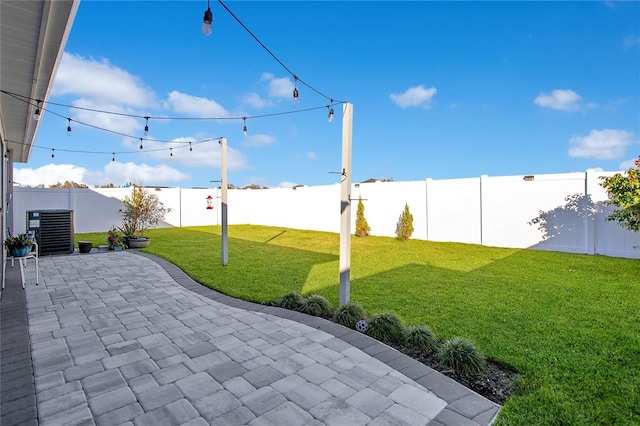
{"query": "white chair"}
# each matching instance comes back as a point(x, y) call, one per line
point(22, 261)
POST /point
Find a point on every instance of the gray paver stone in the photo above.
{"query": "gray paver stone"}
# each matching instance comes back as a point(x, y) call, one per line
point(55, 406)
point(334, 412)
point(426, 404)
point(158, 397)
point(262, 376)
point(471, 405)
point(111, 401)
point(197, 386)
point(226, 371)
point(120, 416)
point(262, 400)
point(307, 396)
point(170, 374)
point(238, 386)
point(217, 404)
point(104, 382)
point(369, 402)
point(286, 414)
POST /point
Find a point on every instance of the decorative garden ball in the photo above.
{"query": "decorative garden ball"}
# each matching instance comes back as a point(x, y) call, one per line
point(361, 326)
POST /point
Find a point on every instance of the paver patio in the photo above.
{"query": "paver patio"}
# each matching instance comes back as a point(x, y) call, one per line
point(127, 338)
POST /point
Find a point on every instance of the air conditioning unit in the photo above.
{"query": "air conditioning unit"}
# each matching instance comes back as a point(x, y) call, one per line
point(53, 230)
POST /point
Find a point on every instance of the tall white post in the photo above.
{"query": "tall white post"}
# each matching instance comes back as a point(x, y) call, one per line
point(345, 205)
point(223, 189)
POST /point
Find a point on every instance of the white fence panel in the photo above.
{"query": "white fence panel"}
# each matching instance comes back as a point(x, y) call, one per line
point(493, 211)
point(453, 212)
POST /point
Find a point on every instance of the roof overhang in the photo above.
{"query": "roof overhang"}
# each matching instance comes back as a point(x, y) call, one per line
point(33, 34)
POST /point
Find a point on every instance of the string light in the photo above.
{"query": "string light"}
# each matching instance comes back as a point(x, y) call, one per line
point(244, 128)
point(69, 127)
point(295, 89)
point(190, 149)
point(113, 156)
point(207, 20)
point(36, 115)
point(53, 153)
point(330, 113)
point(140, 143)
point(170, 152)
point(146, 125)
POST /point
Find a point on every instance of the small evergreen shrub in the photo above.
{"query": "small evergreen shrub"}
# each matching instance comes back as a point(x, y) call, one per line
point(421, 338)
point(404, 228)
point(349, 314)
point(387, 328)
point(362, 226)
point(461, 356)
point(315, 305)
point(291, 300)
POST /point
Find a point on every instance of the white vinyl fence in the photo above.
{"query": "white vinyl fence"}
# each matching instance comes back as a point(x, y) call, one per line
point(558, 212)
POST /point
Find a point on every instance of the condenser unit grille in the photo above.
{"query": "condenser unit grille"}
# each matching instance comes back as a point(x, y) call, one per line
point(55, 232)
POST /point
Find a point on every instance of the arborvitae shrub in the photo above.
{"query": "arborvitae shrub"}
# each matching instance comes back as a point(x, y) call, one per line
point(362, 227)
point(316, 305)
point(404, 228)
point(421, 338)
point(290, 301)
point(461, 356)
point(387, 328)
point(349, 314)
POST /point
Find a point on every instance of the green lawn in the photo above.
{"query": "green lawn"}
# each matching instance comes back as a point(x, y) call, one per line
point(570, 324)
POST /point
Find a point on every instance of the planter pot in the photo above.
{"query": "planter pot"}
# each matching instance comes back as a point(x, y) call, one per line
point(21, 251)
point(84, 246)
point(138, 242)
point(117, 248)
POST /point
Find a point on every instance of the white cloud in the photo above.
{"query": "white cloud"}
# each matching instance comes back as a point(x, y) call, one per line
point(626, 165)
point(101, 82)
point(311, 154)
point(278, 87)
point(564, 100)
point(631, 40)
point(206, 154)
point(114, 172)
point(414, 96)
point(605, 144)
point(258, 140)
point(256, 101)
point(113, 122)
point(195, 106)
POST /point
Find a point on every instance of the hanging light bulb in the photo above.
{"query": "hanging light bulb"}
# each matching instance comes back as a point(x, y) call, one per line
point(146, 126)
point(113, 156)
point(207, 20)
point(330, 114)
point(36, 115)
point(140, 143)
point(244, 128)
point(295, 89)
point(53, 152)
point(170, 152)
point(190, 149)
point(69, 127)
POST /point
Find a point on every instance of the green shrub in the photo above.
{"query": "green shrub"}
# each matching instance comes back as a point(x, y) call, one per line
point(461, 356)
point(421, 338)
point(387, 328)
point(290, 301)
point(404, 227)
point(362, 226)
point(315, 305)
point(349, 314)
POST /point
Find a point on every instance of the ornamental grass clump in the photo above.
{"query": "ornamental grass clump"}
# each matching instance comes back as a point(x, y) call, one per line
point(291, 300)
point(461, 356)
point(387, 328)
point(315, 305)
point(349, 314)
point(421, 338)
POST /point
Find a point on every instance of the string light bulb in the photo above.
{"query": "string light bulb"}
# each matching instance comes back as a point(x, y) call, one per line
point(295, 89)
point(244, 128)
point(140, 143)
point(330, 113)
point(170, 152)
point(36, 115)
point(190, 149)
point(69, 127)
point(207, 21)
point(146, 125)
point(113, 156)
point(53, 151)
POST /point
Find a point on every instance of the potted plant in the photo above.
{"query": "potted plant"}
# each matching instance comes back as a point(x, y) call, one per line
point(142, 210)
point(115, 239)
point(19, 245)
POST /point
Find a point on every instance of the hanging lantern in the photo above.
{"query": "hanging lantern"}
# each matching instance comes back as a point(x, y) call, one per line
point(209, 202)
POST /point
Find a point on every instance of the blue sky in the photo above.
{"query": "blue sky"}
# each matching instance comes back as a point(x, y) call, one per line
point(440, 90)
